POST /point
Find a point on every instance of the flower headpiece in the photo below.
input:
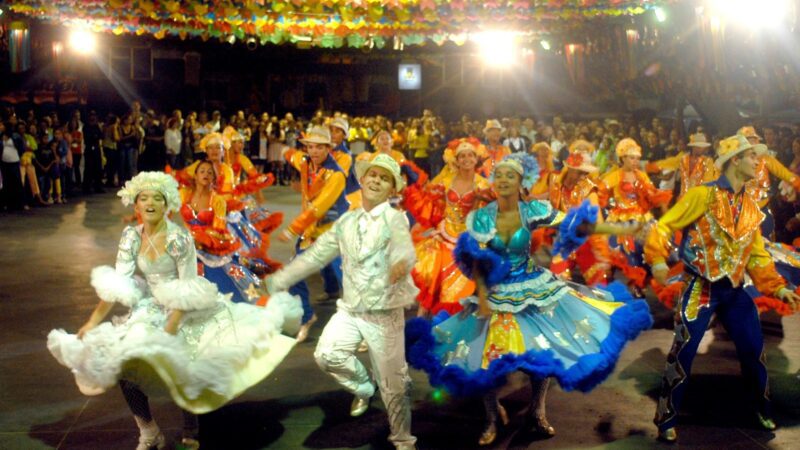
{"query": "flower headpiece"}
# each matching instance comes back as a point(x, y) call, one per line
point(451, 151)
point(211, 137)
point(151, 181)
point(522, 163)
point(628, 147)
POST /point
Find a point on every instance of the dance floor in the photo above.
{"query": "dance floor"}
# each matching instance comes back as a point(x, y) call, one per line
point(46, 256)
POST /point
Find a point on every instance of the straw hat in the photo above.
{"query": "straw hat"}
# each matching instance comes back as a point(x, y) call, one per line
point(580, 160)
point(749, 132)
point(385, 162)
point(581, 145)
point(730, 147)
point(628, 147)
point(698, 140)
point(341, 123)
point(231, 134)
point(492, 125)
point(317, 135)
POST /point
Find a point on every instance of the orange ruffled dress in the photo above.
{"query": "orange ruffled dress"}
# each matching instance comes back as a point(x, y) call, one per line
point(442, 212)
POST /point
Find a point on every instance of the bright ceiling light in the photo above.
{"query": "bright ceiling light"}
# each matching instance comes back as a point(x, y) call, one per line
point(661, 15)
point(82, 41)
point(498, 48)
point(545, 44)
point(747, 13)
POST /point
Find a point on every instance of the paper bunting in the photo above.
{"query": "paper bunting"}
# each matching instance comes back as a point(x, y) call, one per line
point(329, 23)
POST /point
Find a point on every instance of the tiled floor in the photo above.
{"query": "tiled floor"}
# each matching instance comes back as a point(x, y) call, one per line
point(45, 259)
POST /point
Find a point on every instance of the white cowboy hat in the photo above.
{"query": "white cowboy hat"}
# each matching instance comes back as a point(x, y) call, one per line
point(385, 162)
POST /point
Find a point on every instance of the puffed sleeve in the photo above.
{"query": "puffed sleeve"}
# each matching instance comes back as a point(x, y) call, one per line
point(472, 252)
point(319, 255)
point(540, 213)
point(116, 284)
point(188, 292)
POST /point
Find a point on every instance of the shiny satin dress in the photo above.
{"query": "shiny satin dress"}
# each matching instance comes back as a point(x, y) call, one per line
point(443, 211)
point(218, 257)
point(538, 323)
point(221, 348)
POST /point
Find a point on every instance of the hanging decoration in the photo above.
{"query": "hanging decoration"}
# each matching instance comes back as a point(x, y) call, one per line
point(19, 46)
point(327, 23)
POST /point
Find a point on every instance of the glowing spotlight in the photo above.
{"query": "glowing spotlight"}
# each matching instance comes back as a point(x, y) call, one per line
point(763, 14)
point(497, 48)
point(545, 44)
point(82, 42)
point(661, 15)
point(1, 11)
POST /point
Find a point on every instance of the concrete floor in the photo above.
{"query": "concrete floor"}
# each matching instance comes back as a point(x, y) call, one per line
point(46, 258)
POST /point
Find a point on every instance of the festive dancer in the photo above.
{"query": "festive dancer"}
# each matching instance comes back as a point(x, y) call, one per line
point(255, 242)
point(442, 207)
point(761, 185)
point(524, 318)
point(375, 245)
point(322, 184)
point(205, 213)
point(630, 196)
point(495, 151)
point(594, 259)
point(544, 157)
point(247, 217)
point(694, 168)
point(181, 332)
point(721, 243)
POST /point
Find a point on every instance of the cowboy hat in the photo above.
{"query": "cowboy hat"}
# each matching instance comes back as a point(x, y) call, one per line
point(384, 162)
point(317, 135)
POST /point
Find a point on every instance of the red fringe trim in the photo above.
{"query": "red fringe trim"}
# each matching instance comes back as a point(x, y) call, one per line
point(269, 223)
point(215, 245)
point(765, 303)
point(422, 177)
point(636, 275)
point(255, 184)
point(424, 298)
point(669, 293)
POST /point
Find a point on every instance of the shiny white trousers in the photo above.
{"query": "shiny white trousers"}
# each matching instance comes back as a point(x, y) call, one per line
point(384, 333)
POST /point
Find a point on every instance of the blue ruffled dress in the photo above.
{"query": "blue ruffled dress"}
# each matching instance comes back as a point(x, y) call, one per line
point(539, 324)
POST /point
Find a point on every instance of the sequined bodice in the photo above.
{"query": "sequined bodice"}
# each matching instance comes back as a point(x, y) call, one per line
point(190, 216)
point(159, 270)
point(456, 209)
point(517, 249)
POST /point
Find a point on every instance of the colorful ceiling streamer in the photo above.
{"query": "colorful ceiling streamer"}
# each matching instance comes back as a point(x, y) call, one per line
point(327, 23)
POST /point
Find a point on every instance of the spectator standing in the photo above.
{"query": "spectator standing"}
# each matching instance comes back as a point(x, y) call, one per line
point(93, 155)
point(172, 142)
point(128, 147)
point(75, 138)
point(9, 167)
point(110, 139)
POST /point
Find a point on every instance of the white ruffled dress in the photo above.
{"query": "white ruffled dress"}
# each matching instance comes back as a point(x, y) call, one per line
point(221, 348)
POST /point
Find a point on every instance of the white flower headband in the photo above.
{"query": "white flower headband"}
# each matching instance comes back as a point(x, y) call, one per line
point(151, 181)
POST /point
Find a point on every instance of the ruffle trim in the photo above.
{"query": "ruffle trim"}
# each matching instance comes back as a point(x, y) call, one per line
point(569, 239)
point(186, 294)
point(214, 241)
point(215, 371)
point(254, 184)
point(492, 266)
point(589, 371)
point(113, 287)
point(266, 222)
